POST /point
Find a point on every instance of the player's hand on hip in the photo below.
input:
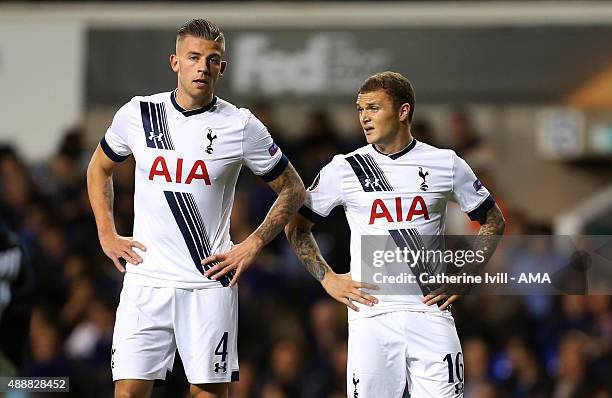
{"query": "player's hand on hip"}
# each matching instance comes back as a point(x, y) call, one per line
point(448, 300)
point(442, 294)
point(345, 290)
point(116, 247)
point(238, 258)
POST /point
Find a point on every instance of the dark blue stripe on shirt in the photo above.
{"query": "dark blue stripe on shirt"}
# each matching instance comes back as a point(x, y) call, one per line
point(115, 157)
point(277, 170)
point(480, 213)
point(310, 215)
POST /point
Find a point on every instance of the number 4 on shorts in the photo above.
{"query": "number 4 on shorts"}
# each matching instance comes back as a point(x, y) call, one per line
point(222, 347)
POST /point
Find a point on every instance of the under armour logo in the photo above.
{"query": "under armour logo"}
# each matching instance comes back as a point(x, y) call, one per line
point(209, 148)
point(221, 368)
point(375, 183)
point(155, 137)
point(424, 185)
point(355, 382)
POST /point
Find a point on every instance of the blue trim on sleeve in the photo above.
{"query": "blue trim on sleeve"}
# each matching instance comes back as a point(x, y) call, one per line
point(480, 213)
point(110, 153)
point(310, 215)
point(277, 170)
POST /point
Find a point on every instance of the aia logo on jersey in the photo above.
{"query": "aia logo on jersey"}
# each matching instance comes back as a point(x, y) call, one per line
point(197, 171)
point(380, 210)
point(424, 185)
point(211, 137)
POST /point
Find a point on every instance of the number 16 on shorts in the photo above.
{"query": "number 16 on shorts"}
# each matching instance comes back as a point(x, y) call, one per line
point(220, 366)
point(455, 370)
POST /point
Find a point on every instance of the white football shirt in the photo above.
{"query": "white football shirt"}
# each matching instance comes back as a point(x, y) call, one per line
point(402, 196)
point(187, 165)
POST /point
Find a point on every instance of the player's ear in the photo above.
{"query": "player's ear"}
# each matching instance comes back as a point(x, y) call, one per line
point(223, 67)
point(404, 112)
point(174, 62)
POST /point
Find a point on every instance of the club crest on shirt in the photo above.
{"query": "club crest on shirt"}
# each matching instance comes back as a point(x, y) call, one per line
point(211, 137)
point(423, 175)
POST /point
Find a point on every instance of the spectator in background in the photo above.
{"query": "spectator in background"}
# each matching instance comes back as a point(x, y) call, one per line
point(61, 178)
point(318, 143)
point(476, 361)
point(245, 387)
point(572, 378)
point(464, 139)
point(47, 358)
point(16, 186)
point(286, 365)
point(527, 379)
point(327, 324)
point(89, 343)
point(264, 111)
point(600, 342)
point(486, 391)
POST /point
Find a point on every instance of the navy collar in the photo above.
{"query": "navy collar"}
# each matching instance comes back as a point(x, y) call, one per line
point(400, 153)
point(185, 112)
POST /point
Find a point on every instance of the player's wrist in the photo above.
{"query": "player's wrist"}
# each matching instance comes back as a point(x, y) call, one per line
point(256, 242)
point(106, 234)
point(327, 277)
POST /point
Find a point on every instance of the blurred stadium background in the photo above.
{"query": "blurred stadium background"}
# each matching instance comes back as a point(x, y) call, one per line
point(521, 90)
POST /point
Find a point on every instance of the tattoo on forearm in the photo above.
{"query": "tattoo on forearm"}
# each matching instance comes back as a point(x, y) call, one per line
point(291, 193)
point(489, 235)
point(109, 193)
point(306, 249)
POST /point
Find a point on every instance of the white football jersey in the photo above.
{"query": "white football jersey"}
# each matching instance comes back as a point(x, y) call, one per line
point(187, 165)
point(402, 196)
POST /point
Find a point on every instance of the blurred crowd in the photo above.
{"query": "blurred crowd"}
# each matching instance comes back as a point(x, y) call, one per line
point(58, 320)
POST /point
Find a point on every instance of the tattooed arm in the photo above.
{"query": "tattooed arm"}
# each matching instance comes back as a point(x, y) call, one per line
point(339, 286)
point(291, 194)
point(100, 190)
point(488, 237)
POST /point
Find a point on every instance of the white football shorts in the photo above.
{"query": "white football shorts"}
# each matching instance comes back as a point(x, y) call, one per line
point(153, 322)
point(404, 350)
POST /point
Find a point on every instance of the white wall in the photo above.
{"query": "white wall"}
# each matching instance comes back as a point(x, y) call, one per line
point(41, 84)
